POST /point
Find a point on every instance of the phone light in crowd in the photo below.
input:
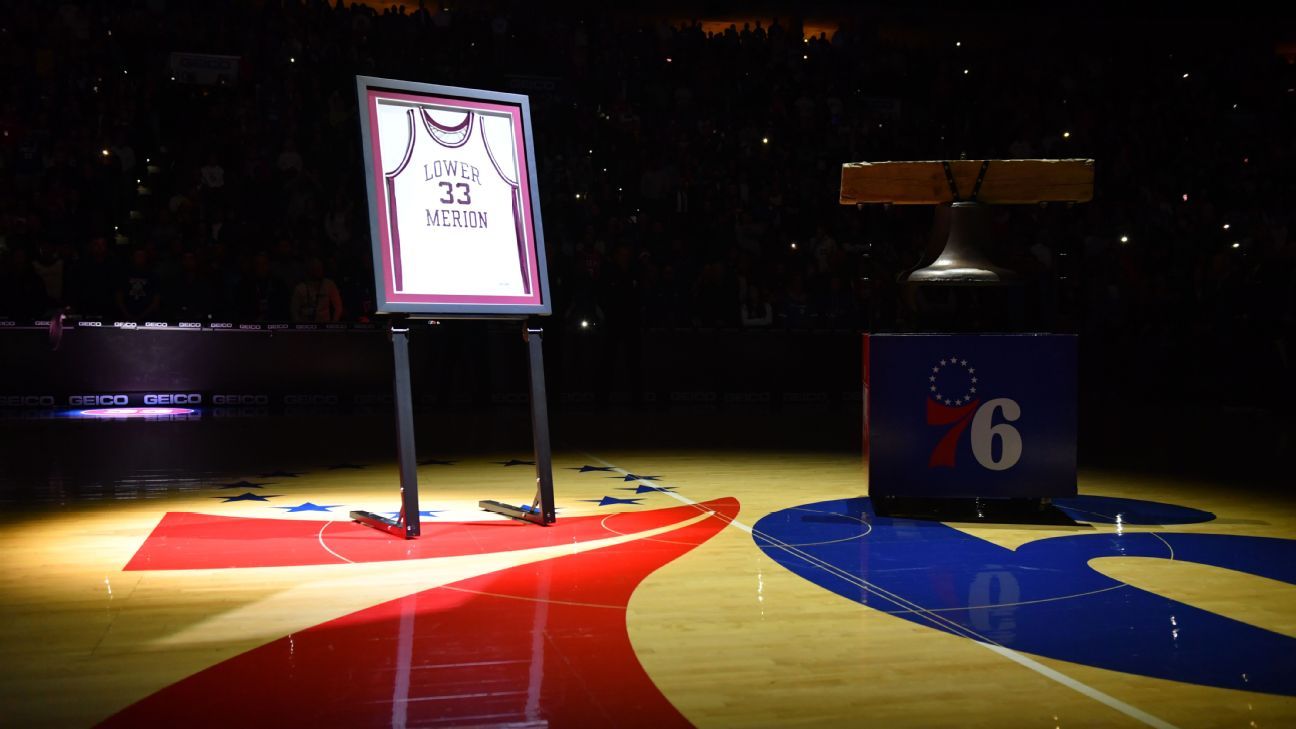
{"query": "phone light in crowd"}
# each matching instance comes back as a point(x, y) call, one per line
point(584, 324)
point(793, 246)
point(668, 59)
point(1124, 239)
point(764, 140)
point(1066, 135)
point(1226, 226)
point(292, 59)
point(958, 44)
point(1185, 75)
point(578, 196)
point(1236, 244)
point(965, 72)
point(1185, 197)
point(805, 57)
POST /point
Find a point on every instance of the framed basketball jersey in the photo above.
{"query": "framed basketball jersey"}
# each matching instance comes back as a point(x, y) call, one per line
point(454, 213)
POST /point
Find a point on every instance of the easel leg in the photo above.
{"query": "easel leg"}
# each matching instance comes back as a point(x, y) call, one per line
point(407, 525)
point(540, 426)
point(406, 453)
point(541, 511)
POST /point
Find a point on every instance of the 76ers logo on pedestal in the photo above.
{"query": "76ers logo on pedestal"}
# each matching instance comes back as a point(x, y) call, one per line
point(953, 402)
point(998, 418)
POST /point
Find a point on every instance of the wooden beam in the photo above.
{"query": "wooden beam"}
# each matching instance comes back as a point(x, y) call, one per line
point(1007, 182)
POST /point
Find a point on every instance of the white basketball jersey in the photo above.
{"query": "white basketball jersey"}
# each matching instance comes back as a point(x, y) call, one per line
point(455, 216)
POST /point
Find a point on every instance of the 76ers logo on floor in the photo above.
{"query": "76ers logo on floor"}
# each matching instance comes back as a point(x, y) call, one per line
point(953, 403)
point(960, 415)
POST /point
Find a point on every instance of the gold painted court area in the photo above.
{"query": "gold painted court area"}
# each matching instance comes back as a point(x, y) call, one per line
point(709, 624)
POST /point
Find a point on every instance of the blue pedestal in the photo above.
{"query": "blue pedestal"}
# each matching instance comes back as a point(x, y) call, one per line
point(970, 415)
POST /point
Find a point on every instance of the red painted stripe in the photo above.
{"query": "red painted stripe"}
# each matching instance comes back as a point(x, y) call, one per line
point(186, 541)
point(544, 642)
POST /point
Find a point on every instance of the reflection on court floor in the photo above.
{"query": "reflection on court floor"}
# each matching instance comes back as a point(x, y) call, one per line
point(1045, 597)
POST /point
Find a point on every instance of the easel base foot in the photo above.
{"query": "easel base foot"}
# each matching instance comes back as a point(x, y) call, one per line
point(521, 513)
point(382, 524)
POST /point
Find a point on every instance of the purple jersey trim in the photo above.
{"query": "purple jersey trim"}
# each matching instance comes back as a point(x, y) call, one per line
point(430, 124)
point(520, 231)
point(391, 200)
point(386, 225)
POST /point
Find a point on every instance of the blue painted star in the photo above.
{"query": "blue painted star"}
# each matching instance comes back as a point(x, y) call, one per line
point(641, 489)
point(587, 469)
point(280, 474)
point(636, 477)
point(308, 506)
point(246, 496)
point(337, 466)
point(242, 485)
point(515, 462)
point(610, 500)
point(435, 462)
point(424, 514)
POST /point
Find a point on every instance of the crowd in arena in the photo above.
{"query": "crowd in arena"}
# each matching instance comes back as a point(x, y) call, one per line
point(689, 173)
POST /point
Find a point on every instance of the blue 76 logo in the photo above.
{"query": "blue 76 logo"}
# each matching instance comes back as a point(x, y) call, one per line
point(1043, 597)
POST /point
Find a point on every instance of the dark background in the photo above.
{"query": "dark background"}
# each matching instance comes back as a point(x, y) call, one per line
point(680, 160)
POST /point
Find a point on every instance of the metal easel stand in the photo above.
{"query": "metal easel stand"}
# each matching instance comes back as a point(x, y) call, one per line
point(407, 524)
point(541, 509)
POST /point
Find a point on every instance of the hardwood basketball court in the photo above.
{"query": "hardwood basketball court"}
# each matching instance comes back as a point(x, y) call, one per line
point(709, 569)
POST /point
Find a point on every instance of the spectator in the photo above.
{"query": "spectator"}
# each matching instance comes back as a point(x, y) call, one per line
point(756, 310)
point(317, 298)
point(262, 297)
point(138, 292)
point(22, 292)
point(189, 293)
point(92, 281)
point(49, 266)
